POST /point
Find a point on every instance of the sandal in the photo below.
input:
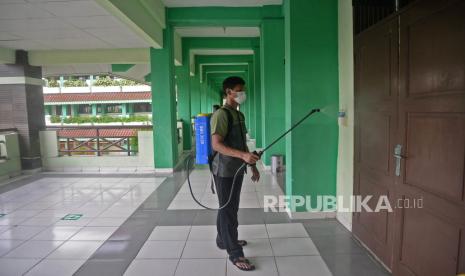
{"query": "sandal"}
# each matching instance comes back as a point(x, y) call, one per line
point(242, 263)
point(240, 242)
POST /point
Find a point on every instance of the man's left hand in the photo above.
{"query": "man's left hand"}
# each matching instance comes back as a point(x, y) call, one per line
point(255, 174)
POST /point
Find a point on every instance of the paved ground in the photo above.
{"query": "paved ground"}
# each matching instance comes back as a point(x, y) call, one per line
point(145, 225)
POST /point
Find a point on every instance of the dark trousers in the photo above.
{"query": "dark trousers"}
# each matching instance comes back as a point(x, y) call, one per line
point(226, 222)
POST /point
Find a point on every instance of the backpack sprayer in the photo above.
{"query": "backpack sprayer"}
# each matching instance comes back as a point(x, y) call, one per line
point(203, 147)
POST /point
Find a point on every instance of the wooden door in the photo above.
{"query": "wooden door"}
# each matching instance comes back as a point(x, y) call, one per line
point(430, 241)
point(376, 94)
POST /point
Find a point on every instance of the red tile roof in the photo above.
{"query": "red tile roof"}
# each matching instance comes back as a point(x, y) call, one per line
point(104, 132)
point(105, 96)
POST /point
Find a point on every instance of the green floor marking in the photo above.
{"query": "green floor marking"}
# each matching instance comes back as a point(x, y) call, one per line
point(72, 217)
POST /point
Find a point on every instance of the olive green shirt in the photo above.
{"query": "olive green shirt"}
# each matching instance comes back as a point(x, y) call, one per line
point(223, 165)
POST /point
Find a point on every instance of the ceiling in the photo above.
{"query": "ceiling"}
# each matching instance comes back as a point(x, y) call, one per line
point(63, 24)
point(218, 31)
point(220, 3)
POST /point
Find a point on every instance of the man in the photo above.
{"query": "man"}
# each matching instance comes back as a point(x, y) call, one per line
point(229, 141)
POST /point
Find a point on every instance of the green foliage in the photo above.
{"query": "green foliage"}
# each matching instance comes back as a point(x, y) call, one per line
point(106, 81)
point(55, 119)
point(53, 83)
point(74, 83)
point(101, 119)
point(128, 83)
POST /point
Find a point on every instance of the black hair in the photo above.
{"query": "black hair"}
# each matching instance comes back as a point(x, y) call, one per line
point(231, 82)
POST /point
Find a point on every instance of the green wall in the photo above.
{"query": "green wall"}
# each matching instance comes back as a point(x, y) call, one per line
point(311, 70)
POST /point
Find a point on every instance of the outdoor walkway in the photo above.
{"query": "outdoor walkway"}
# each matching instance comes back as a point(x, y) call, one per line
point(145, 225)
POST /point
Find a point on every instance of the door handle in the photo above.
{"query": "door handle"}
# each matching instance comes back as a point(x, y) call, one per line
point(398, 156)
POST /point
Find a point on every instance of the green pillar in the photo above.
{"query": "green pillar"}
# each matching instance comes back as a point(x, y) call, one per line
point(203, 97)
point(74, 110)
point(64, 110)
point(94, 110)
point(257, 104)
point(311, 74)
point(250, 106)
point(104, 109)
point(272, 85)
point(124, 110)
point(184, 102)
point(47, 110)
point(164, 103)
point(195, 95)
point(130, 108)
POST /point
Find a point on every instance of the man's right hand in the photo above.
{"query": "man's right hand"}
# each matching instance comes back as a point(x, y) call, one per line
point(250, 158)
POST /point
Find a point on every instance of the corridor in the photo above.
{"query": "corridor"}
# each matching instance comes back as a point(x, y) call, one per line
point(133, 224)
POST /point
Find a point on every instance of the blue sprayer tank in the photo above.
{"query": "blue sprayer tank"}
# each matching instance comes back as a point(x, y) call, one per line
point(203, 143)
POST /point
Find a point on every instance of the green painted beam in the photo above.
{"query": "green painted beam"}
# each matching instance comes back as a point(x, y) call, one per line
point(94, 56)
point(311, 76)
point(222, 68)
point(7, 56)
point(145, 17)
point(221, 16)
point(164, 104)
point(148, 77)
point(121, 67)
point(223, 59)
point(216, 43)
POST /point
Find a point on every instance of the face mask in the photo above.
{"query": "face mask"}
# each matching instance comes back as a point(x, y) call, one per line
point(240, 97)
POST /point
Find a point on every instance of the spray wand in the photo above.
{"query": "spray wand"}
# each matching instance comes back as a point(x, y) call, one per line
point(243, 166)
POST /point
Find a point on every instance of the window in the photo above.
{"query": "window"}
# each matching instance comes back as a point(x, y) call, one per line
point(142, 107)
point(114, 108)
point(85, 109)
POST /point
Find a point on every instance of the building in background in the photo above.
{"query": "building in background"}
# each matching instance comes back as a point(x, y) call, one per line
point(85, 100)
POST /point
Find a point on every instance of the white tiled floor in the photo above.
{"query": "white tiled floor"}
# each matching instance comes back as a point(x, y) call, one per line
point(35, 239)
point(251, 193)
point(275, 249)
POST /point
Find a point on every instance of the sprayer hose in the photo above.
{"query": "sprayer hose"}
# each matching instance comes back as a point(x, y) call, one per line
point(188, 162)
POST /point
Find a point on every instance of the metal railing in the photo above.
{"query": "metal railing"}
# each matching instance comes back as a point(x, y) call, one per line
point(102, 140)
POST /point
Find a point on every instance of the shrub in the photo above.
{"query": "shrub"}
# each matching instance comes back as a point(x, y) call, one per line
point(106, 81)
point(74, 83)
point(53, 83)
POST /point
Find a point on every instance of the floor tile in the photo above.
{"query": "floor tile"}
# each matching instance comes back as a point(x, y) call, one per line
point(201, 267)
point(144, 267)
point(302, 265)
point(354, 264)
point(75, 250)
point(258, 248)
point(100, 221)
point(173, 233)
point(21, 232)
point(289, 230)
point(94, 234)
point(40, 221)
point(161, 250)
point(337, 244)
point(8, 245)
point(202, 249)
point(203, 232)
point(34, 249)
point(49, 267)
point(293, 247)
point(264, 266)
point(16, 267)
point(57, 233)
point(254, 231)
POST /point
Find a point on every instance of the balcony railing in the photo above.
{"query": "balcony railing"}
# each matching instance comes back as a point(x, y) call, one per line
point(103, 140)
